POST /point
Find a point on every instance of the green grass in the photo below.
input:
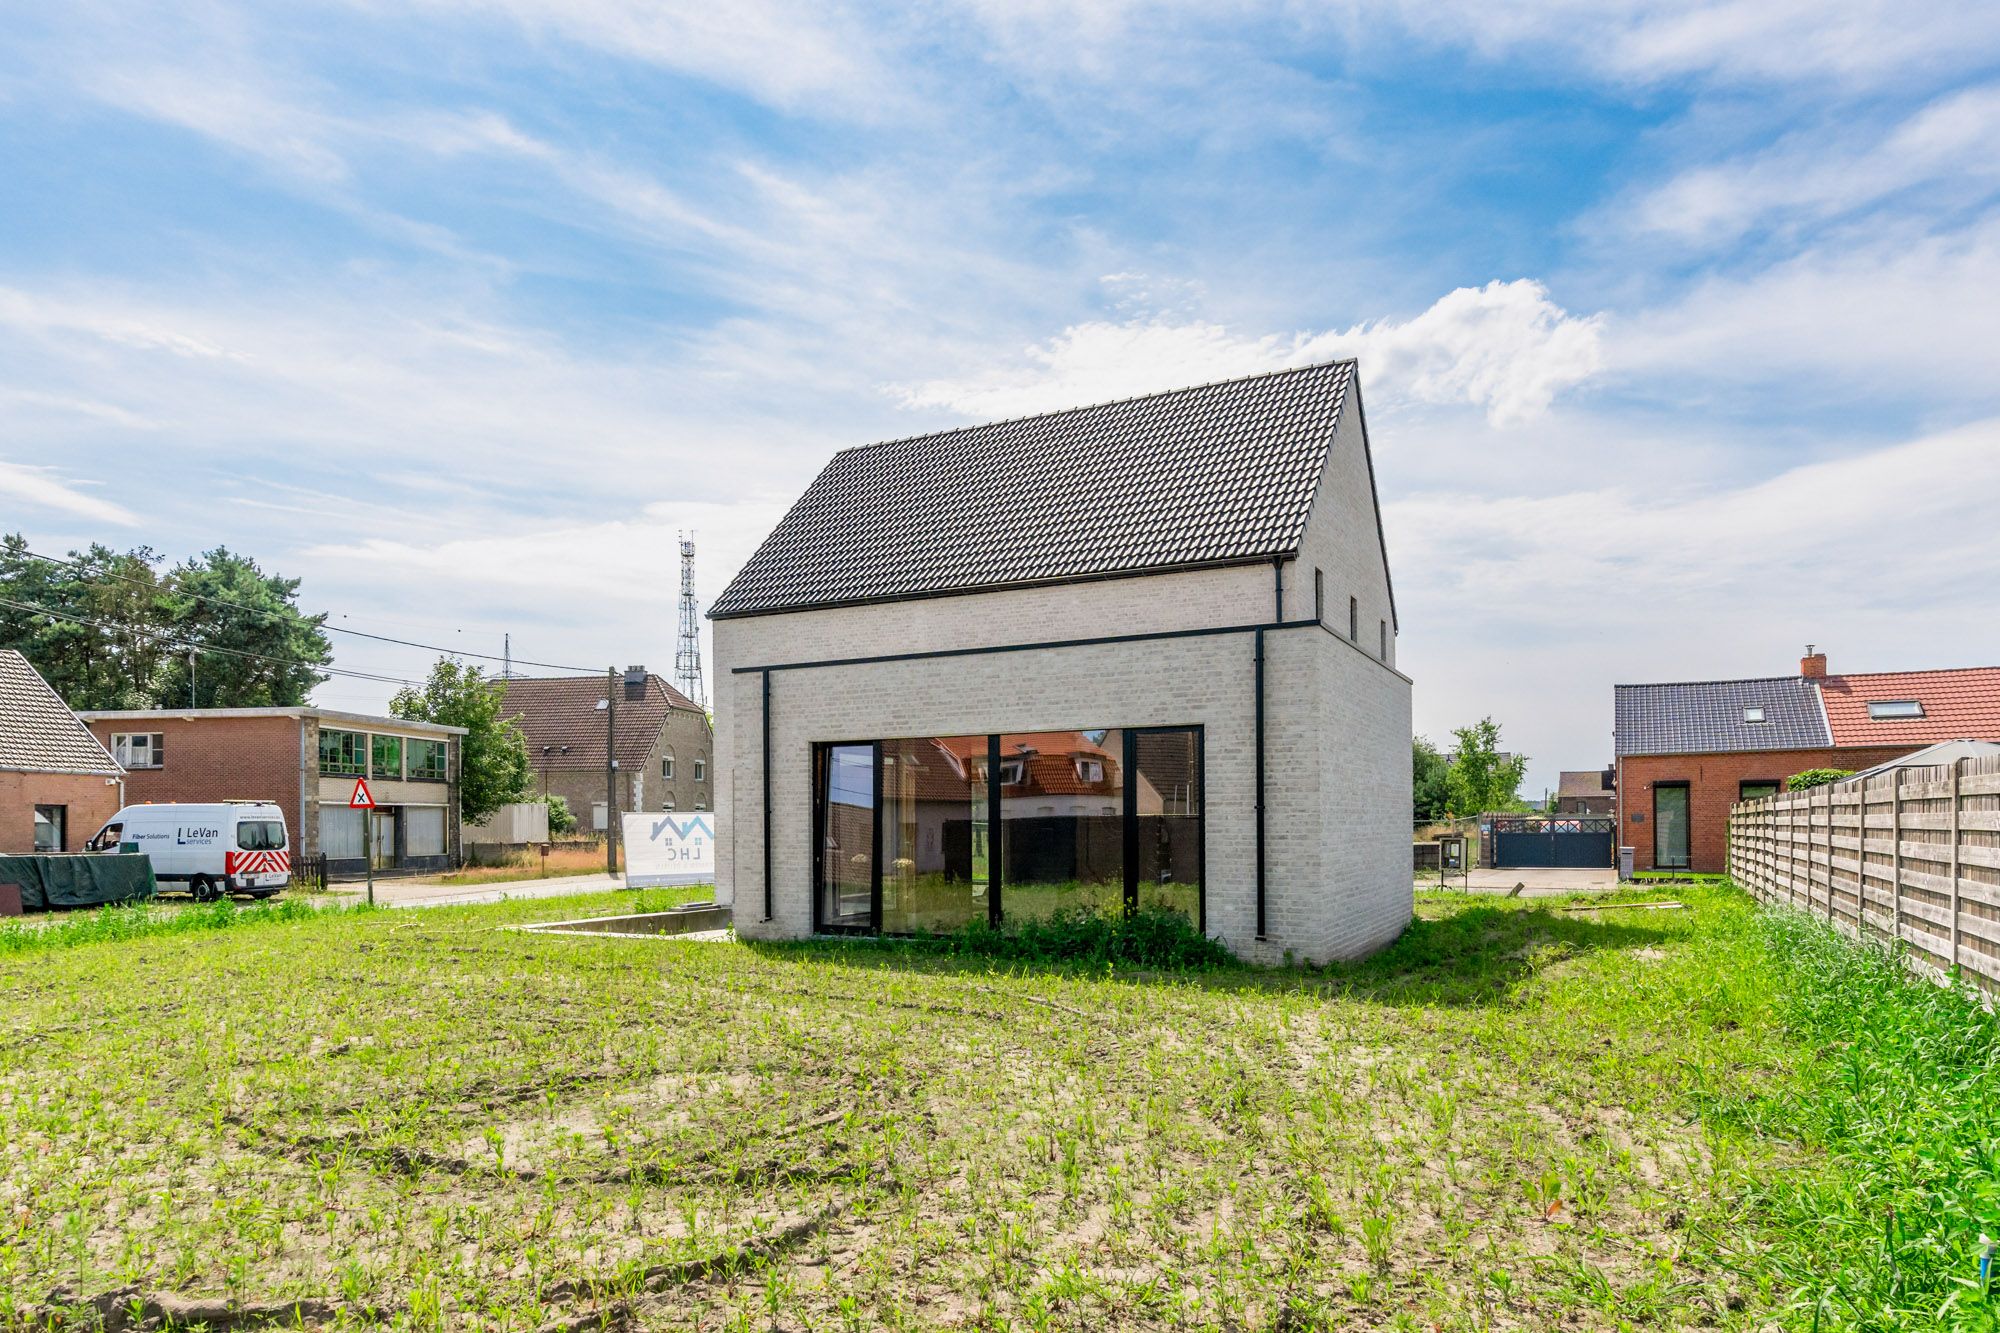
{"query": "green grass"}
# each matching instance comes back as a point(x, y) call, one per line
point(144, 920)
point(1516, 1118)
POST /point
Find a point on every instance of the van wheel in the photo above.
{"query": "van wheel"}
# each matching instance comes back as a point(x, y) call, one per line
point(203, 888)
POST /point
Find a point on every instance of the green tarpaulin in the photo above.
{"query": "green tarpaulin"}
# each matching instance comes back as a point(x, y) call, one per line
point(78, 881)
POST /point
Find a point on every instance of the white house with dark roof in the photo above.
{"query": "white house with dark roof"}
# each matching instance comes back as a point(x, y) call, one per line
point(1137, 653)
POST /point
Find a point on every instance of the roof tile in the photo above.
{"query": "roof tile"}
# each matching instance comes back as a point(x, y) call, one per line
point(1222, 472)
point(38, 732)
point(1961, 704)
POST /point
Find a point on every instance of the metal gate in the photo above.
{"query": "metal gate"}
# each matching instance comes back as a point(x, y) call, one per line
point(1572, 842)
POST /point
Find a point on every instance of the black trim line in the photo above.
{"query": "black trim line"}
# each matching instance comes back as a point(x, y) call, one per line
point(1031, 647)
point(770, 905)
point(1260, 782)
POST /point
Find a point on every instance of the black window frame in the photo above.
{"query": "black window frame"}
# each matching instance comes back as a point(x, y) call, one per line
point(1687, 831)
point(996, 841)
point(59, 821)
point(1354, 620)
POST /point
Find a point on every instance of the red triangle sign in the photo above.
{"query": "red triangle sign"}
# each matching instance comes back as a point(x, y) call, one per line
point(363, 799)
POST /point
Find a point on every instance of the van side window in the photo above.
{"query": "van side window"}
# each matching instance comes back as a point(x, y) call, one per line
point(107, 837)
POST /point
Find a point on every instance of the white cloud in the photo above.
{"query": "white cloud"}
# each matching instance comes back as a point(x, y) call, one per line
point(41, 486)
point(1814, 176)
point(1505, 348)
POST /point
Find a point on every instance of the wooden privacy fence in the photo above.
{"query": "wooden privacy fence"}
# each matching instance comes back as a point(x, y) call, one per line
point(1912, 855)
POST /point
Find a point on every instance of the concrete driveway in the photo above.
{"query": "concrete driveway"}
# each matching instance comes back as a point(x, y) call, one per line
point(1537, 883)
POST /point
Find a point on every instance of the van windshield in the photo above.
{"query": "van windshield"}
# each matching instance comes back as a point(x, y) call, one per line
point(260, 835)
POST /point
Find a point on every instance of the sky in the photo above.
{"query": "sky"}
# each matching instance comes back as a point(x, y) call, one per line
point(1677, 322)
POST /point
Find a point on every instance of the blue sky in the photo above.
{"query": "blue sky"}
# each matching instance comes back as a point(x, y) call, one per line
point(1676, 321)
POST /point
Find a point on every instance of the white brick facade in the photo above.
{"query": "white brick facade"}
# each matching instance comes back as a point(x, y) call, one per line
point(1337, 720)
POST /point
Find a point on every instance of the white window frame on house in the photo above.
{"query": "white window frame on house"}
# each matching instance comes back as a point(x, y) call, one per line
point(700, 769)
point(667, 766)
point(1090, 770)
point(1894, 710)
point(1012, 772)
point(122, 748)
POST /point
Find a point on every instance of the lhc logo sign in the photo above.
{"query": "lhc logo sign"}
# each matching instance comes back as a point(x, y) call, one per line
point(669, 848)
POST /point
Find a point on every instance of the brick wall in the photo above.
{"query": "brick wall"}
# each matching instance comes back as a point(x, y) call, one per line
point(1337, 724)
point(1713, 784)
point(219, 759)
point(90, 800)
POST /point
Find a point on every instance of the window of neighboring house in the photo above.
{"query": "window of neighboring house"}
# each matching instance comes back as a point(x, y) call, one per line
point(1753, 714)
point(1090, 770)
point(1354, 619)
point(387, 760)
point(597, 816)
point(700, 804)
point(343, 754)
point(1011, 771)
point(1755, 791)
point(667, 766)
point(667, 801)
point(138, 749)
point(429, 761)
point(700, 770)
point(51, 827)
point(1891, 710)
point(1319, 595)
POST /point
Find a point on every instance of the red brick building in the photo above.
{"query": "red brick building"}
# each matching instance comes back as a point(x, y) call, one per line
point(305, 760)
point(57, 784)
point(1689, 751)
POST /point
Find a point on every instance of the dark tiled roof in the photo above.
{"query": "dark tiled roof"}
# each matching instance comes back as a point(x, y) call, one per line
point(1958, 705)
point(37, 730)
point(1224, 472)
point(1706, 716)
point(563, 710)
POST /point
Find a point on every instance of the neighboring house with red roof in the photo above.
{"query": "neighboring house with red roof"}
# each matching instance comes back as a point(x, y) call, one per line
point(1689, 751)
point(663, 748)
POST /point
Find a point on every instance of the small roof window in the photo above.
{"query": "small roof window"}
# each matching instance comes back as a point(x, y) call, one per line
point(603, 704)
point(1889, 710)
point(1754, 713)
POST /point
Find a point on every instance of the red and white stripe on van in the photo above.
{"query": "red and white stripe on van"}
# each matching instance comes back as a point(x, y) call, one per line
point(257, 863)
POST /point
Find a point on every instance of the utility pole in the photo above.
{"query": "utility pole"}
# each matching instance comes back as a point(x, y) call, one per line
point(611, 771)
point(687, 656)
point(190, 675)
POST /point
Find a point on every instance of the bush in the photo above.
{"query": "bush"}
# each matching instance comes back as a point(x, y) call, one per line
point(1816, 777)
point(1150, 937)
point(561, 819)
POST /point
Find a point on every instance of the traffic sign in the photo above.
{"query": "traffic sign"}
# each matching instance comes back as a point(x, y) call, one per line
point(363, 799)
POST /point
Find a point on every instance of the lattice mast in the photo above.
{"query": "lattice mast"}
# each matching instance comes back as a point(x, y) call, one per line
point(687, 658)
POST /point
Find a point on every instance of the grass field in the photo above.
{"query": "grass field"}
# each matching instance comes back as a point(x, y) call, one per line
point(1519, 1118)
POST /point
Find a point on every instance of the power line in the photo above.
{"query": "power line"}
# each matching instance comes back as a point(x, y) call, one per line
point(337, 629)
point(180, 642)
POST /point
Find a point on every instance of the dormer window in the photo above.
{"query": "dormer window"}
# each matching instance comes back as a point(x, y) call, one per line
point(1753, 714)
point(1090, 770)
point(1893, 710)
point(1010, 773)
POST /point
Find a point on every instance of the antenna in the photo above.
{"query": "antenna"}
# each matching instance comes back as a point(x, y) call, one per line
point(687, 658)
point(506, 657)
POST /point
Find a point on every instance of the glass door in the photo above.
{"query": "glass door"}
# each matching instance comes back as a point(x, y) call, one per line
point(1670, 827)
point(382, 839)
point(844, 837)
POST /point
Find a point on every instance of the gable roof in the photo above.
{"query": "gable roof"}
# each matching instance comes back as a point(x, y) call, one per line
point(1961, 704)
point(562, 710)
point(1706, 716)
point(1218, 474)
point(38, 732)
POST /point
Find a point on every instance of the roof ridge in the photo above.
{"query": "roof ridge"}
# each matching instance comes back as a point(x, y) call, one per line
point(1106, 402)
point(1730, 680)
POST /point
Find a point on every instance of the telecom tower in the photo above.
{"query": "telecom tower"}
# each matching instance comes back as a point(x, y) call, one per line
point(687, 659)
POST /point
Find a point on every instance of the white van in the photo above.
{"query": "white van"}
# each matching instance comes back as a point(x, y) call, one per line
point(210, 850)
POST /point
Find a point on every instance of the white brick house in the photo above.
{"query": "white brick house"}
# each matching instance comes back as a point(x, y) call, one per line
point(1165, 625)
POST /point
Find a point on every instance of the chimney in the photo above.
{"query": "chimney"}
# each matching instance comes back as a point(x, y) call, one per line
point(1813, 665)
point(635, 682)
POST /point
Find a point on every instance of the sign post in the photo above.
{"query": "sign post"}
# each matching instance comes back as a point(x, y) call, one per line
point(364, 801)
